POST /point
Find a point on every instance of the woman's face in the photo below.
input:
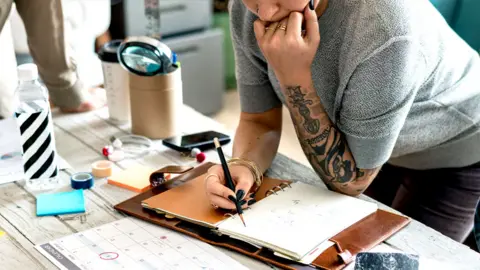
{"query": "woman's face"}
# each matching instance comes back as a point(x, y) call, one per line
point(275, 10)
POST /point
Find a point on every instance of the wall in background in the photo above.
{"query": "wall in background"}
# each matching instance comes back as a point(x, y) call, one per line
point(221, 19)
point(467, 23)
point(447, 8)
point(463, 17)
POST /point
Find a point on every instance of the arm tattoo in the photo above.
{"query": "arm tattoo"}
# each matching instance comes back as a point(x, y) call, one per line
point(297, 98)
point(326, 147)
point(319, 138)
point(330, 157)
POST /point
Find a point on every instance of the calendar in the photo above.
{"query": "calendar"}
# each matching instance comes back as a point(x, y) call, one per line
point(131, 243)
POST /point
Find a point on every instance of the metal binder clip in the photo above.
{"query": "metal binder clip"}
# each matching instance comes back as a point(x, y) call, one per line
point(81, 217)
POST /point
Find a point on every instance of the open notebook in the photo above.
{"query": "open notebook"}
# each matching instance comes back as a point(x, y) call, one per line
point(294, 221)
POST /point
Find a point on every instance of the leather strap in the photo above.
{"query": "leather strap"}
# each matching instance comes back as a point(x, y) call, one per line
point(157, 178)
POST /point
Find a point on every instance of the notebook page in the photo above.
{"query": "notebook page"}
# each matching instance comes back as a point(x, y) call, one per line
point(298, 219)
point(311, 256)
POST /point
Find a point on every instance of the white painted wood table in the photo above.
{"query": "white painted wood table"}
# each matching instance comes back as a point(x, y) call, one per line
point(80, 139)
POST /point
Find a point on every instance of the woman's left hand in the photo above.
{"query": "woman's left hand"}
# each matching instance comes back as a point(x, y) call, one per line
point(289, 52)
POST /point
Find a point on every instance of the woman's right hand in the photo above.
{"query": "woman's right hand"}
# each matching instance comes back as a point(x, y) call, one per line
point(220, 195)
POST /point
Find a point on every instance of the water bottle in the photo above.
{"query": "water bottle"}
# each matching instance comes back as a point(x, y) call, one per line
point(34, 119)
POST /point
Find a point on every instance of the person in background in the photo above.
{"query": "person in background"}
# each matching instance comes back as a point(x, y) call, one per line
point(43, 22)
point(384, 97)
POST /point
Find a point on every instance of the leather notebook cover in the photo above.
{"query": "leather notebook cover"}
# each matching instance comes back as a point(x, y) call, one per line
point(196, 207)
point(360, 237)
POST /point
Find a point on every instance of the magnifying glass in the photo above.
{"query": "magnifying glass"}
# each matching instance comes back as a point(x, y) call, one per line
point(146, 56)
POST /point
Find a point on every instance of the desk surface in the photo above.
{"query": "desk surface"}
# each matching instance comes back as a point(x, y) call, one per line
point(80, 139)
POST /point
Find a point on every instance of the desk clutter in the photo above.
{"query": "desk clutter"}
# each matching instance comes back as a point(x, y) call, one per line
point(127, 146)
point(291, 226)
point(137, 178)
point(288, 219)
point(171, 225)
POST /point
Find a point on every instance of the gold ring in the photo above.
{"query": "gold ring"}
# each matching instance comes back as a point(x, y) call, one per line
point(282, 27)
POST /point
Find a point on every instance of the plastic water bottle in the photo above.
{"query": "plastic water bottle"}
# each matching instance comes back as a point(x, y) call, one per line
point(34, 120)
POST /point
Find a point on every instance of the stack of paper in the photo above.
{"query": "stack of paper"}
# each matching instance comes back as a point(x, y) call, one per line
point(10, 152)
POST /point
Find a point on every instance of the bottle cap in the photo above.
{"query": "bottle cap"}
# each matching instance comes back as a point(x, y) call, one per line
point(27, 72)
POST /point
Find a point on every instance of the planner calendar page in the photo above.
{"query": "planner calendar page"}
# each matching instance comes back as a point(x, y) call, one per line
point(131, 243)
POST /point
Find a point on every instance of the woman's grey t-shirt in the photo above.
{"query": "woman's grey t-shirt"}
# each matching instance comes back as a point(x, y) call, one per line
point(392, 75)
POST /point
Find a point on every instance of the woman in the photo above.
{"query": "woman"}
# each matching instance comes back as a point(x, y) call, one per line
point(369, 85)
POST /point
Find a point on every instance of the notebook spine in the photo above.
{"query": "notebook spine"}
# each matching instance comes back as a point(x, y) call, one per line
point(273, 191)
point(278, 188)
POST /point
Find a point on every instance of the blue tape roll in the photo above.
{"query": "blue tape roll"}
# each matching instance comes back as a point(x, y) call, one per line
point(81, 180)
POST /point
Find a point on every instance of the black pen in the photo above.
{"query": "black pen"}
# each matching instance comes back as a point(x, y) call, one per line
point(311, 5)
point(228, 177)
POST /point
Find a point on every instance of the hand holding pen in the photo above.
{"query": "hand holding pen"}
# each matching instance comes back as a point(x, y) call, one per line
point(228, 178)
point(219, 192)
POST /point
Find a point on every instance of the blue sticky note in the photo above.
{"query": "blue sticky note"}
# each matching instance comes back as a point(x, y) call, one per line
point(71, 202)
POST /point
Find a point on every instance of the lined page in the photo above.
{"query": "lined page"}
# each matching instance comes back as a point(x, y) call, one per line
point(298, 219)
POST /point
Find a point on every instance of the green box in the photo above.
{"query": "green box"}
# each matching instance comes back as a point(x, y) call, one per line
point(222, 20)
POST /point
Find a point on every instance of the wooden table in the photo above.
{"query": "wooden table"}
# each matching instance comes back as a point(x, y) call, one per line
point(80, 139)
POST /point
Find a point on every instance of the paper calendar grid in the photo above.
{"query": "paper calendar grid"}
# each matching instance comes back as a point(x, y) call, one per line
point(130, 243)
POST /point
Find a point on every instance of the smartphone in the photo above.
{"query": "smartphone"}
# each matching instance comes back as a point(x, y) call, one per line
point(202, 141)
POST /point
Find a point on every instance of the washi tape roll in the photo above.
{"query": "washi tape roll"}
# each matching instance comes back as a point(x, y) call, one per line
point(81, 180)
point(102, 168)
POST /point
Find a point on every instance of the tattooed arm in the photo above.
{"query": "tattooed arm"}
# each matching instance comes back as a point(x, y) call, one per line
point(323, 144)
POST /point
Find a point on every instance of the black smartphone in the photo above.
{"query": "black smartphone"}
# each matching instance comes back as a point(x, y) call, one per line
point(202, 141)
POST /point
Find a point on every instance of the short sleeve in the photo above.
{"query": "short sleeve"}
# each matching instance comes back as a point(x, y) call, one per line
point(377, 100)
point(253, 85)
